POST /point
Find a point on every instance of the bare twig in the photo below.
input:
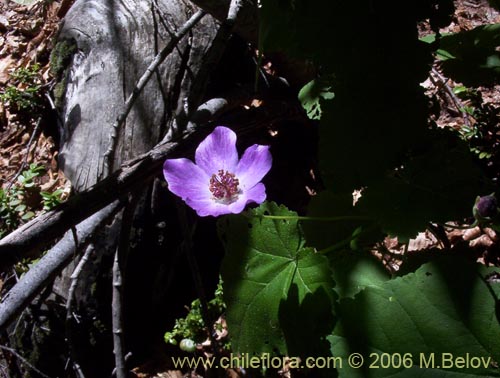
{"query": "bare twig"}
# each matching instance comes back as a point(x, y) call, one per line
point(443, 82)
point(23, 360)
point(69, 307)
point(74, 281)
point(118, 344)
point(162, 55)
point(211, 60)
point(119, 266)
point(27, 153)
point(34, 281)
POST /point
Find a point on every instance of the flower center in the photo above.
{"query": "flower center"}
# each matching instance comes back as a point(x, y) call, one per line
point(224, 186)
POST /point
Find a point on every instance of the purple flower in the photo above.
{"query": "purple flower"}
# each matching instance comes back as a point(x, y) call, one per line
point(485, 207)
point(219, 183)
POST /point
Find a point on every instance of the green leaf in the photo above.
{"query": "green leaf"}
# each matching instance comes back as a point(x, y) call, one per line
point(460, 89)
point(28, 215)
point(444, 308)
point(311, 95)
point(267, 275)
point(14, 202)
point(353, 271)
point(20, 208)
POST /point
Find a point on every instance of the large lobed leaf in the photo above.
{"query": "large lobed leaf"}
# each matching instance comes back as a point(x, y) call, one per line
point(279, 294)
point(445, 307)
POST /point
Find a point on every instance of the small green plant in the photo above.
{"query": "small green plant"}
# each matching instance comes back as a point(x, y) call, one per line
point(51, 200)
point(481, 134)
point(26, 178)
point(192, 327)
point(24, 92)
point(25, 264)
point(14, 207)
point(28, 75)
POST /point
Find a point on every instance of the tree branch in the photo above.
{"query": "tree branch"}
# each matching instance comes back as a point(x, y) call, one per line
point(49, 266)
point(211, 60)
point(118, 344)
point(69, 307)
point(119, 267)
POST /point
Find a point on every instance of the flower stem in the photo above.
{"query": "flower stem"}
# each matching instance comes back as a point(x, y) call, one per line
point(336, 246)
point(347, 241)
point(320, 219)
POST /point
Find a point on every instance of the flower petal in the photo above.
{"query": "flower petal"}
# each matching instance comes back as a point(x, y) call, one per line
point(253, 166)
point(256, 194)
point(204, 207)
point(186, 180)
point(218, 151)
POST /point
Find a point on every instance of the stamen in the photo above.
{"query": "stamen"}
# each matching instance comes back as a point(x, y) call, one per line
point(224, 186)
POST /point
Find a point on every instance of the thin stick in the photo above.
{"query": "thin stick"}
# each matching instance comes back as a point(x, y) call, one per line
point(160, 57)
point(26, 155)
point(74, 280)
point(69, 307)
point(210, 61)
point(23, 360)
point(453, 96)
point(119, 266)
point(118, 344)
point(317, 219)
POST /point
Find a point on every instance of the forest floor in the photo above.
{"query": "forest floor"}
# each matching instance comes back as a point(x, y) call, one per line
point(29, 131)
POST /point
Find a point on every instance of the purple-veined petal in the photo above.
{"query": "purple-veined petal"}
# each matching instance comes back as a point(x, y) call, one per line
point(218, 151)
point(186, 180)
point(253, 166)
point(205, 207)
point(256, 194)
point(214, 208)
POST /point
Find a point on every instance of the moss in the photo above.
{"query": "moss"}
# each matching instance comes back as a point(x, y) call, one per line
point(59, 91)
point(60, 58)
point(61, 55)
